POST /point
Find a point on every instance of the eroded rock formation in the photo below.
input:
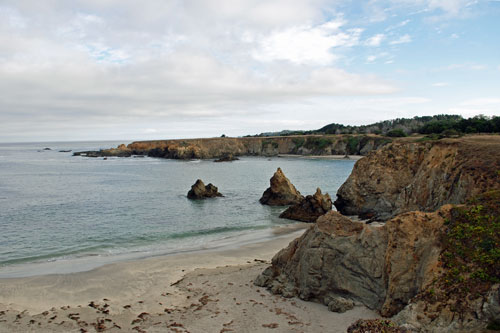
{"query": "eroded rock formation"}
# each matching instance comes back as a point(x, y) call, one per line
point(309, 208)
point(200, 191)
point(281, 192)
point(403, 177)
point(379, 266)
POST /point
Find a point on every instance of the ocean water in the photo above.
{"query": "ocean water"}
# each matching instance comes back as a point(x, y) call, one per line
point(60, 213)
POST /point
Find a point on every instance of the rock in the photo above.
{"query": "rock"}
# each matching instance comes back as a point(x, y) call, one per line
point(339, 304)
point(403, 177)
point(281, 192)
point(227, 157)
point(376, 325)
point(309, 208)
point(200, 191)
point(381, 266)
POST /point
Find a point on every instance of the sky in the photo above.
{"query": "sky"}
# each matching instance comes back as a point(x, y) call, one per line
point(159, 69)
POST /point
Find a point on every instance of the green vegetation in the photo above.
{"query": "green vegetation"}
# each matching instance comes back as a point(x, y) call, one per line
point(472, 242)
point(352, 144)
point(471, 254)
point(478, 124)
point(299, 142)
point(396, 133)
point(447, 125)
point(265, 143)
point(317, 143)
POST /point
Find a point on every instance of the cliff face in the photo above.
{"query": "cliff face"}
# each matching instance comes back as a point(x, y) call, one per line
point(404, 177)
point(259, 146)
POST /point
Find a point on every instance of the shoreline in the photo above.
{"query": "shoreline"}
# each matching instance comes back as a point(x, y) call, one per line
point(323, 157)
point(204, 291)
point(90, 262)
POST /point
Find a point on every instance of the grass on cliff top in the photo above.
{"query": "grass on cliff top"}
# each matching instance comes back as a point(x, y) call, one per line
point(471, 253)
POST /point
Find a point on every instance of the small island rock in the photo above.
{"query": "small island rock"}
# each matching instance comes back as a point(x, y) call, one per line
point(309, 208)
point(200, 191)
point(281, 192)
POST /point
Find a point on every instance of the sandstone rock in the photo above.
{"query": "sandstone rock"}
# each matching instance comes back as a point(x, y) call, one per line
point(281, 192)
point(200, 191)
point(383, 267)
point(309, 208)
point(404, 177)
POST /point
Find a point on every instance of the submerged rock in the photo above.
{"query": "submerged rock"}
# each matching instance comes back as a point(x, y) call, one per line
point(309, 208)
point(281, 192)
point(200, 191)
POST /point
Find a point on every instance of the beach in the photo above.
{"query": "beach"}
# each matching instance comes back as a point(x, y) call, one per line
point(203, 291)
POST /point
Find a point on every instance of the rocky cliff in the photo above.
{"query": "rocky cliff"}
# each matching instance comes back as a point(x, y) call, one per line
point(436, 270)
point(408, 176)
point(258, 146)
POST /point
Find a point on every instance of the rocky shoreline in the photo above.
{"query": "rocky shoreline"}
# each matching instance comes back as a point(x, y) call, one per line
point(433, 266)
point(221, 148)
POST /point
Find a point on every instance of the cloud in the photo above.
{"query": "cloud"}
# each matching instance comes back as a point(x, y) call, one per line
point(488, 106)
point(307, 44)
point(440, 84)
point(402, 40)
point(375, 40)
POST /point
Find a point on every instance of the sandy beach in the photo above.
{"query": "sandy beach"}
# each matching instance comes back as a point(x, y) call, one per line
point(210, 291)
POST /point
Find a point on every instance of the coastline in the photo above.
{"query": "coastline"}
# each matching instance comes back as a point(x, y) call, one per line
point(323, 157)
point(202, 291)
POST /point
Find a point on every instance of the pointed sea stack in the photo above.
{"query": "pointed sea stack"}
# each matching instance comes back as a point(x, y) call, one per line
point(281, 193)
point(309, 208)
point(200, 191)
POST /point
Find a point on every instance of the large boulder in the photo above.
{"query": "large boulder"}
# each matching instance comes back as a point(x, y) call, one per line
point(200, 191)
point(309, 208)
point(382, 267)
point(281, 192)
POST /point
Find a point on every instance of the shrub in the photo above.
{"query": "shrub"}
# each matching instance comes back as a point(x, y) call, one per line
point(396, 133)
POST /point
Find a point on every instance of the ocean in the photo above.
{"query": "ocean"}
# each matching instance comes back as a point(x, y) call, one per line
point(61, 213)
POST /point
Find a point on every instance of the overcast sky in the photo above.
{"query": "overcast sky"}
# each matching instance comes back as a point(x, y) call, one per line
point(128, 69)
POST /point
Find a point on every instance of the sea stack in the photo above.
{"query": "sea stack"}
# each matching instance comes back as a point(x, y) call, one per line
point(200, 191)
point(309, 208)
point(281, 192)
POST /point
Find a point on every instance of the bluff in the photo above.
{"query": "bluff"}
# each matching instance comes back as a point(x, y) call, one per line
point(435, 270)
point(209, 148)
point(408, 176)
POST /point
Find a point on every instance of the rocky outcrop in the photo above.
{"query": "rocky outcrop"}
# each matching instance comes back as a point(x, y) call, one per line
point(226, 157)
point(403, 177)
point(309, 208)
point(215, 148)
point(382, 267)
point(200, 191)
point(281, 192)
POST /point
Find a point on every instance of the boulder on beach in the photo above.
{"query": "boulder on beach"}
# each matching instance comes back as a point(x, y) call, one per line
point(281, 192)
point(200, 191)
point(309, 208)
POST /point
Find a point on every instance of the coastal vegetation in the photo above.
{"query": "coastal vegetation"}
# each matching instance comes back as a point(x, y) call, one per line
point(401, 127)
